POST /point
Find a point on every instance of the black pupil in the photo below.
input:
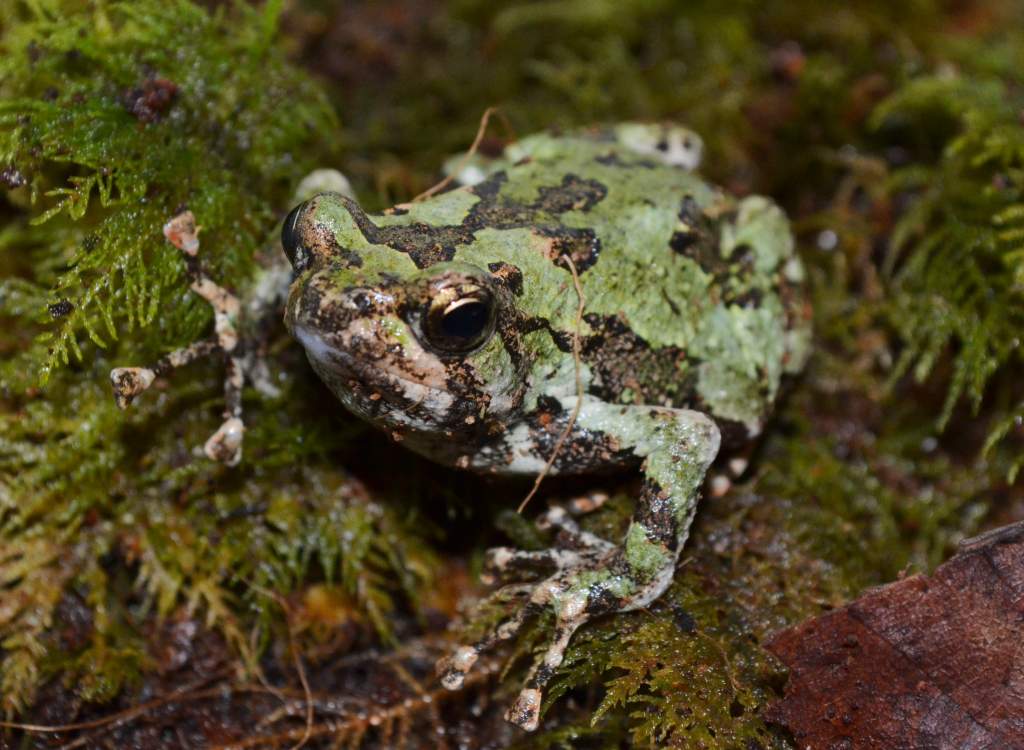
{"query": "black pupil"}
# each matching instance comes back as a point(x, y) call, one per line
point(465, 321)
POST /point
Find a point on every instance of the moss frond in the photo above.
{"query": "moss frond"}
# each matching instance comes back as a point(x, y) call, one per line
point(110, 128)
point(112, 115)
point(956, 256)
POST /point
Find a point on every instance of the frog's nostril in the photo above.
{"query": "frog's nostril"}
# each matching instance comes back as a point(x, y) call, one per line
point(291, 240)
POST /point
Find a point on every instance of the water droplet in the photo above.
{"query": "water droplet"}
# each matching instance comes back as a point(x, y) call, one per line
point(827, 240)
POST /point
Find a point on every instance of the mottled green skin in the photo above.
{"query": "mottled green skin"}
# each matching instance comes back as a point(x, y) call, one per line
point(693, 315)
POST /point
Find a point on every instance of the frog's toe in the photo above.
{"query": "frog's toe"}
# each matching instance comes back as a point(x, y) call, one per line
point(129, 382)
point(573, 607)
point(452, 669)
point(525, 711)
point(506, 563)
point(225, 445)
point(569, 534)
point(588, 503)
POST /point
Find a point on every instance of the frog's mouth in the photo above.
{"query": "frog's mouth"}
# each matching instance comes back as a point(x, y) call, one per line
point(381, 382)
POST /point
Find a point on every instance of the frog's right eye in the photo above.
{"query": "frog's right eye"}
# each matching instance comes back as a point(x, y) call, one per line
point(291, 240)
point(459, 319)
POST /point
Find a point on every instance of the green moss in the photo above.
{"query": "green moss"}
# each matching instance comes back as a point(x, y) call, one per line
point(115, 113)
point(956, 259)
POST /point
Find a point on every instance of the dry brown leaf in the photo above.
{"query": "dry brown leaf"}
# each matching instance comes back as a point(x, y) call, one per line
point(929, 662)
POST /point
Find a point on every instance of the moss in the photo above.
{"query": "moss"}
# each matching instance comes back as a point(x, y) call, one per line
point(960, 249)
point(890, 133)
point(116, 113)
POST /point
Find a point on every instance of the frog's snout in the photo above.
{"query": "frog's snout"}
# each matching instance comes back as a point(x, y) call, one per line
point(350, 330)
point(336, 310)
point(358, 342)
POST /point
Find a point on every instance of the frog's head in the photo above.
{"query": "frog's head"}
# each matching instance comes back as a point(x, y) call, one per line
point(428, 349)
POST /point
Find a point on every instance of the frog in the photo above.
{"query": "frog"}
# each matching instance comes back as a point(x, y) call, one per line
point(584, 302)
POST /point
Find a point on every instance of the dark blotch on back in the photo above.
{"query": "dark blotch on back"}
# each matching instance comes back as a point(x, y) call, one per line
point(427, 244)
point(624, 361)
point(614, 159)
point(424, 243)
point(588, 450)
point(583, 246)
point(700, 243)
point(549, 405)
point(574, 194)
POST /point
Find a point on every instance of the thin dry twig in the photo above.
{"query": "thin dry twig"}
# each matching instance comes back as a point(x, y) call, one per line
point(350, 729)
point(431, 706)
point(296, 660)
point(484, 120)
point(355, 728)
point(560, 443)
point(185, 692)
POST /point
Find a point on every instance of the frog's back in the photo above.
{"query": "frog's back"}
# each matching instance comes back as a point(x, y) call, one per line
point(693, 298)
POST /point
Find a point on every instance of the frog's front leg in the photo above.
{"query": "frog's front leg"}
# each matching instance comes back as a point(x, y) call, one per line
point(594, 578)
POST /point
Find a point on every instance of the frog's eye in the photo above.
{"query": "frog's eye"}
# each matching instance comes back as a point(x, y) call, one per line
point(459, 320)
point(292, 242)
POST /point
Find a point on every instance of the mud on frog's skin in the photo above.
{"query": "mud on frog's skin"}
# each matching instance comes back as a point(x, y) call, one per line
point(450, 323)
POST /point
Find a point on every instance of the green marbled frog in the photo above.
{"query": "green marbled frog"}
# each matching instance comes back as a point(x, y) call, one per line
point(452, 323)
point(456, 325)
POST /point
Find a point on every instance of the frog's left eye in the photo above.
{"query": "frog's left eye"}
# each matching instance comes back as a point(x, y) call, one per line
point(459, 320)
point(292, 242)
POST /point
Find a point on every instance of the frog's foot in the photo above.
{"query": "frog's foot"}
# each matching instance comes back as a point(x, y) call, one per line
point(586, 584)
point(577, 559)
point(571, 544)
point(593, 577)
point(225, 444)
